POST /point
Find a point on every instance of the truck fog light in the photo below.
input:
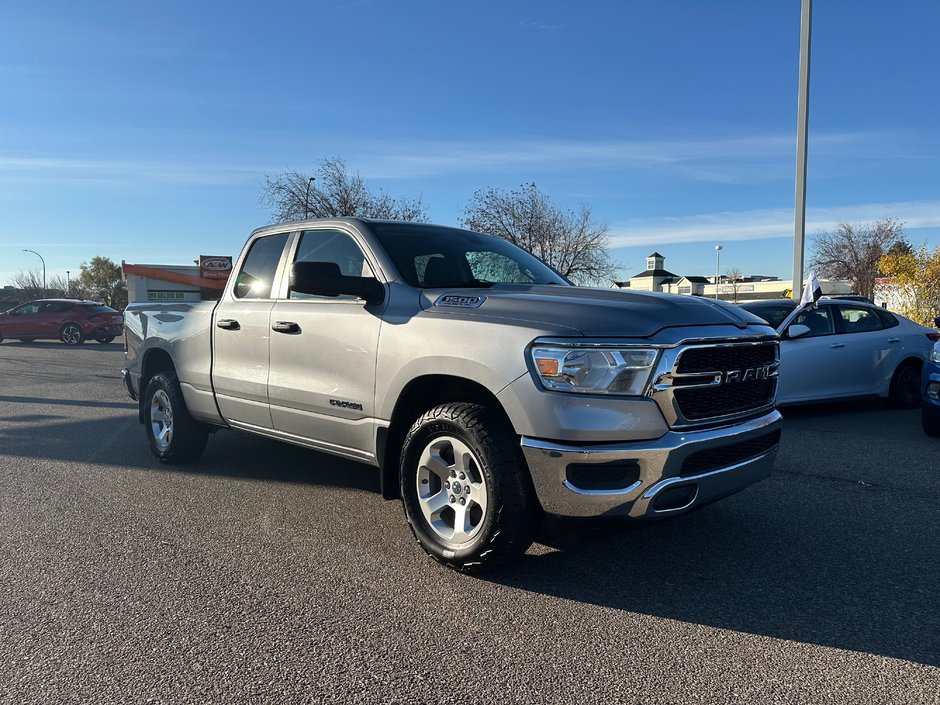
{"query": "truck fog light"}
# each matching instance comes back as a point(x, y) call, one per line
point(933, 390)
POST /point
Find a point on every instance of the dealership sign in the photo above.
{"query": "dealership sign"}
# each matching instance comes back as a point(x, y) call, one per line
point(215, 267)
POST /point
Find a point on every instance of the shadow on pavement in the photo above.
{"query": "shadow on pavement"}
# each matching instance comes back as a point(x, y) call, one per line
point(120, 441)
point(839, 567)
point(87, 403)
point(827, 562)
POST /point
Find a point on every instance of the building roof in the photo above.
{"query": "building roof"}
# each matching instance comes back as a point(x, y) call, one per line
point(697, 280)
point(654, 273)
point(163, 274)
point(655, 254)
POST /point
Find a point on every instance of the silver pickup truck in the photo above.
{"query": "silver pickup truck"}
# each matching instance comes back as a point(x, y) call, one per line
point(482, 384)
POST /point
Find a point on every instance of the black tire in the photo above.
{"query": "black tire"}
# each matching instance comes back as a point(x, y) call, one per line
point(104, 340)
point(905, 385)
point(72, 334)
point(187, 438)
point(26, 340)
point(504, 528)
point(930, 420)
point(1, 337)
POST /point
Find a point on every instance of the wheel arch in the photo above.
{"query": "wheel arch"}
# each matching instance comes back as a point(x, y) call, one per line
point(156, 360)
point(419, 395)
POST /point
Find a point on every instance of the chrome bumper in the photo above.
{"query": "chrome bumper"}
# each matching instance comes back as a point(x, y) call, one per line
point(656, 489)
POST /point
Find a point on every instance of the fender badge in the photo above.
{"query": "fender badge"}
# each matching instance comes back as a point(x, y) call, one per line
point(453, 301)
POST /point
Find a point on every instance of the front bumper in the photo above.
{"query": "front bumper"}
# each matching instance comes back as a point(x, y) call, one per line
point(667, 476)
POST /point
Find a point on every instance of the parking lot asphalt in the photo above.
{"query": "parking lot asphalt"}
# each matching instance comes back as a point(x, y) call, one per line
point(272, 574)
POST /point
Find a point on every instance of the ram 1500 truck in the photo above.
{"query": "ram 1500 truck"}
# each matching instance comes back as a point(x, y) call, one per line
point(484, 386)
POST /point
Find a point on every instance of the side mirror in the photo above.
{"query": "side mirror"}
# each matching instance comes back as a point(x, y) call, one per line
point(325, 279)
point(798, 330)
point(936, 321)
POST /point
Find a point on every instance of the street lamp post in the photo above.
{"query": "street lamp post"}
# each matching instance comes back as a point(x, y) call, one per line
point(307, 198)
point(43, 269)
point(717, 267)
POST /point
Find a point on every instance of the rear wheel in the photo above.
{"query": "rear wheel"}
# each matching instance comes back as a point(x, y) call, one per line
point(104, 340)
point(905, 385)
point(174, 435)
point(71, 334)
point(465, 487)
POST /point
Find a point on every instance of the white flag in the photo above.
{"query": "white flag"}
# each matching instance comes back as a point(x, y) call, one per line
point(811, 292)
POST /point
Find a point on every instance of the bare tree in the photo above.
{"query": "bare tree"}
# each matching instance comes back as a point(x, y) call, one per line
point(735, 277)
point(29, 282)
point(852, 251)
point(570, 241)
point(333, 192)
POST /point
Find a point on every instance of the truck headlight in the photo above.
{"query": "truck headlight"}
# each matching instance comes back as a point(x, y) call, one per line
point(592, 370)
point(935, 354)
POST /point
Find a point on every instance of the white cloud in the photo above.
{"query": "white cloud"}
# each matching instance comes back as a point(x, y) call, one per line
point(111, 170)
point(718, 159)
point(766, 223)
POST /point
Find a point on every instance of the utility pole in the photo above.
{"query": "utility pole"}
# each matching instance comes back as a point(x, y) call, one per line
point(802, 125)
point(307, 198)
point(717, 267)
point(43, 269)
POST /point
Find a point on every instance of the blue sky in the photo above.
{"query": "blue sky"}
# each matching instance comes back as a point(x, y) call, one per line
point(143, 132)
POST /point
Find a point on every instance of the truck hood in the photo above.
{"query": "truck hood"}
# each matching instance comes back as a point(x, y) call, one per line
point(593, 312)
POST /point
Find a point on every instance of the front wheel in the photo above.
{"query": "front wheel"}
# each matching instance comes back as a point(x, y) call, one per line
point(905, 386)
point(465, 487)
point(930, 419)
point(72, 334)
point(174, 435)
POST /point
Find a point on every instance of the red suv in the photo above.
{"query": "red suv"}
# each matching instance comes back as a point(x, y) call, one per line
point(70, 320)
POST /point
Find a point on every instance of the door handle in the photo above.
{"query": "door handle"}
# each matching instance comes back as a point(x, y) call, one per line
point(286, 327)
point(837, 345)
point(894, 340)
point(228, 324)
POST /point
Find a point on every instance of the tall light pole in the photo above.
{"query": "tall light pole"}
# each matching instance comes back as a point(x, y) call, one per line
point(717, 267)
point(802, 124)
point(307, 198)
point(43, 269)
point(68, 281)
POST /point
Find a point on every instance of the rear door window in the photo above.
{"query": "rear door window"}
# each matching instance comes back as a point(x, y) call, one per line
point(256, 277)
point(852, 319)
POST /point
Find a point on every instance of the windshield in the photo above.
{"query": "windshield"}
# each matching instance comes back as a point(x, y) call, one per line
point(773, 313)
point(431, 257)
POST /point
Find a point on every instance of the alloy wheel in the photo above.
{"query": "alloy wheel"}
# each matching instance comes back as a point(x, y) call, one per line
point(451, 490)
point(161, 419)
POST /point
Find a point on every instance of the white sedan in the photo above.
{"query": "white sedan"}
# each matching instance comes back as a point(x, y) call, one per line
point(843, 349)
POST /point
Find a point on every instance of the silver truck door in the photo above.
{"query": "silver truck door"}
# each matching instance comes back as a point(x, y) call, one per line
point(242, 332)
point(323, 353)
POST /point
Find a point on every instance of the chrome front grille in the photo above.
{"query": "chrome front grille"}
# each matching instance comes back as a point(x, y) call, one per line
point(705, 383)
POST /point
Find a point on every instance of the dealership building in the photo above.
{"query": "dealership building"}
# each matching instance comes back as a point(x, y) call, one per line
point(657, 278)
point(168, 283)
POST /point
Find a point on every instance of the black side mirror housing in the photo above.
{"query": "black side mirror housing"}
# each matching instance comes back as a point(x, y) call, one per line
point(936, 321)
point(325, 279)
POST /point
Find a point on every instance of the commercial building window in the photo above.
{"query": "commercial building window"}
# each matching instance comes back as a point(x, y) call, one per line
point(165, 295)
